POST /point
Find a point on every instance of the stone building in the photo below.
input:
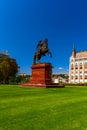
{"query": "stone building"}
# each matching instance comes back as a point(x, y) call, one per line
point(78, 67)
point(4, 54)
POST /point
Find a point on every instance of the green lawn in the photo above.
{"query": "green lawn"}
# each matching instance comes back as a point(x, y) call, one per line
point(43, 109)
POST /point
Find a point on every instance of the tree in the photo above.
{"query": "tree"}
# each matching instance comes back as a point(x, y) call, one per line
point(4, 69)
point(22, 79)
point(8, 69)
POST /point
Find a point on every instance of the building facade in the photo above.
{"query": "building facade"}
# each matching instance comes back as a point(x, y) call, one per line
point(78, 67)
point(4, 54)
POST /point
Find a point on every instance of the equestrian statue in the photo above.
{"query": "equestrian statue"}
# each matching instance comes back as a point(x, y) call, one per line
point(41, 50)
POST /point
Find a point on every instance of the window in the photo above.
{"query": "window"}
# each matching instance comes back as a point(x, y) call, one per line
point(80, 77)
point(71, 77)
point(85, 66)
point(76, 77)
point(85, 77)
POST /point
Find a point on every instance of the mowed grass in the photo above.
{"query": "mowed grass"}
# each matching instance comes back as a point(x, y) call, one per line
point(43, 109)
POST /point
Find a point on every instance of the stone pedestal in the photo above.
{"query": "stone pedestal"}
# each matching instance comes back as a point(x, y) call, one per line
point(41, 76)
point(41, 73)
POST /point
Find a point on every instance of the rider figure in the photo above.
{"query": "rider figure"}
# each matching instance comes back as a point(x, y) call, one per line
point(39, 46)
point(46, 43)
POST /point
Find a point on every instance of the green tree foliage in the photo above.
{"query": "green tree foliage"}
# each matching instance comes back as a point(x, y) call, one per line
point(22, 79)
point(64, 76)
point(5, 69)
point(8, 69)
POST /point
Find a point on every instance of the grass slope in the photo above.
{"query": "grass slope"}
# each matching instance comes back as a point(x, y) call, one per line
point(43, 109)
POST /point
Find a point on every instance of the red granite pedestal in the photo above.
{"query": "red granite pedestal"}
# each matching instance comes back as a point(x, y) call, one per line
point(41, 76)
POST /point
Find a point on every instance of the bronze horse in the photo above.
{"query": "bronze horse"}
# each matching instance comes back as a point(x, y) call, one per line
point(42, 49)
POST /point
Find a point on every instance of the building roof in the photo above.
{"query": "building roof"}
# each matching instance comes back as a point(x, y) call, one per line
point(4, 54)
point(82, 54)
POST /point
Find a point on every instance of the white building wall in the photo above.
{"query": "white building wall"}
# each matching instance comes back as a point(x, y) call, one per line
point(77, 72)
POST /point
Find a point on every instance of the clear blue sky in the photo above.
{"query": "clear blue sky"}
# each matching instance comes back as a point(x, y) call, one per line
point(24, 22)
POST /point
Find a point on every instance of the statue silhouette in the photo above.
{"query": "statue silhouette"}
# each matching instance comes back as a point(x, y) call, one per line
point(42, 49)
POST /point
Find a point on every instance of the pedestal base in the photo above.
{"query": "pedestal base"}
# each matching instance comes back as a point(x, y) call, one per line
point(41, 77)
point(51, 85)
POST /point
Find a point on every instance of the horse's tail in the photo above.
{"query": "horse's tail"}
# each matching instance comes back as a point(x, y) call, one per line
point(50, 53)
point(34, 59)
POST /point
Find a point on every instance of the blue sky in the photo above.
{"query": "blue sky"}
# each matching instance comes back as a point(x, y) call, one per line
point(24, 22)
